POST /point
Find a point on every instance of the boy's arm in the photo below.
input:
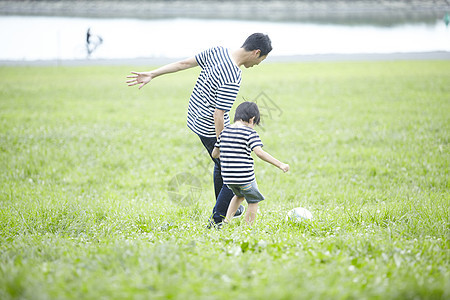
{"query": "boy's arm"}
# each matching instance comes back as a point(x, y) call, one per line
point(215, 153)
point(143, 78)
point(270, 159)
point(216, 150)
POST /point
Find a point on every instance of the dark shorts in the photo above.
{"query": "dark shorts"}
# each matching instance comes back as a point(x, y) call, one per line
point(248, 190)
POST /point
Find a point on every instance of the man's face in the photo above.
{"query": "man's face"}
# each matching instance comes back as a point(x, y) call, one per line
point(255, 59)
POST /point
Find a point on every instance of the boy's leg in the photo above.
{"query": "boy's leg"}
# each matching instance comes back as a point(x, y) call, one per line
point(250, 215)
point(232, 208)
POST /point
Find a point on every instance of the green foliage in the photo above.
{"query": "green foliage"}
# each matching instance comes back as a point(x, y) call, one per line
point(86, 164)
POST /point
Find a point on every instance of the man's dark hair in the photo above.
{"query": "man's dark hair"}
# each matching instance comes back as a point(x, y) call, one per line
point(258, 41)
point(247, 110)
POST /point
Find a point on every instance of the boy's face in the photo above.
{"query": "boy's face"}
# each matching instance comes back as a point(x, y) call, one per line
point(254, 59)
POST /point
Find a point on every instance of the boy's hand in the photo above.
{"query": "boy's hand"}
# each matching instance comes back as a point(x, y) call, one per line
point(284, 167)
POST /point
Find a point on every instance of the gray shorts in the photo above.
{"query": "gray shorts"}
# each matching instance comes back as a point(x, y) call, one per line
point(248, 190)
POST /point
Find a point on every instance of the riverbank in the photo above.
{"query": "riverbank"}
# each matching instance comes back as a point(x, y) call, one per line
point(378, 12)
point(271, 59)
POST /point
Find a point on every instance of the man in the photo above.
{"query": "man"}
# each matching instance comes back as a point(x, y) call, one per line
point(213, 96)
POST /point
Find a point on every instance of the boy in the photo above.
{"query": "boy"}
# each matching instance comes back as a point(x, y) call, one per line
point(234, 146)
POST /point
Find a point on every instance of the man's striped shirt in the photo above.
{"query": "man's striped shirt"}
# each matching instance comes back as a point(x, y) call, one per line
point(236, 144)
point(217, 86)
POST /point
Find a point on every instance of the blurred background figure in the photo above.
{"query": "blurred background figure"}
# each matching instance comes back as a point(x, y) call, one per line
point(92, 42)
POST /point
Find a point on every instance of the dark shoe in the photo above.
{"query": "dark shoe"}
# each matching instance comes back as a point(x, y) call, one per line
point(211, 224)
point(240, 211)
point(217, 226)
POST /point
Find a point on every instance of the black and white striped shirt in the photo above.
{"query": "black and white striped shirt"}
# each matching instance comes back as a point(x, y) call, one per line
point(217, 87)
point(236, 144)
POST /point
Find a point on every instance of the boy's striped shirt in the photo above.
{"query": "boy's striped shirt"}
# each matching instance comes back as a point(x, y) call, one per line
point(217, 86)
point(236, 144)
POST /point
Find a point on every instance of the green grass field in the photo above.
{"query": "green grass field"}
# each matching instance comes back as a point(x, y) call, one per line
point(88, 208)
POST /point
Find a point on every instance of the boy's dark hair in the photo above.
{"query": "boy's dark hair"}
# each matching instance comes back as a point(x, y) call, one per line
point(258, 41)
point(247, 110)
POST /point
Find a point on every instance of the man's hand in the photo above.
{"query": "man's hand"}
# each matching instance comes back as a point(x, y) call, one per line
point(215, 153)
point(141, 78)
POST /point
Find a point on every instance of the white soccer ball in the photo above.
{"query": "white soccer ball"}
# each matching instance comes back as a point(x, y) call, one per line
point(298, 215)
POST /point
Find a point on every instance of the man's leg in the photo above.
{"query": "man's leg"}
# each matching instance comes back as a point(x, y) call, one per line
point(222, 192)
point(222, 203)
point(218, 180)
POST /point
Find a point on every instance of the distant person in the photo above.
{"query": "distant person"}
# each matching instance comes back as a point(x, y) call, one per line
point(213, 96)
point(234, 147)
point(92, 42)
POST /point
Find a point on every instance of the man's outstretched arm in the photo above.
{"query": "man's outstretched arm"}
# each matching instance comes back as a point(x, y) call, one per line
point(143, 78)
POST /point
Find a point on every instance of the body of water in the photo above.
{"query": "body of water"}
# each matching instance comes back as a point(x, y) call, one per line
point(63, 38)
